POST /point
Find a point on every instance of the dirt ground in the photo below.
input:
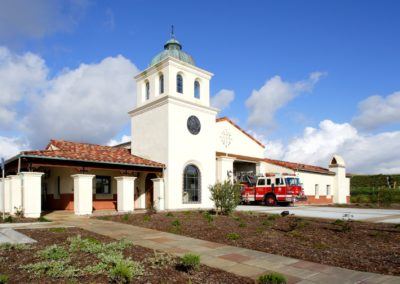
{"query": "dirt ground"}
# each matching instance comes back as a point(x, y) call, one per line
point(355, 245)
point(12, 260)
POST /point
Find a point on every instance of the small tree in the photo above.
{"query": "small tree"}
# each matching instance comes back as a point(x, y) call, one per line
point(226, 196)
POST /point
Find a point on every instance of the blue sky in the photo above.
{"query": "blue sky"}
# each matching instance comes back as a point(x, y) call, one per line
point(353, 45)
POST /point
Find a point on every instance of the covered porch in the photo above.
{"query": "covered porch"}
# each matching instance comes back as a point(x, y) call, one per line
point(37, 181)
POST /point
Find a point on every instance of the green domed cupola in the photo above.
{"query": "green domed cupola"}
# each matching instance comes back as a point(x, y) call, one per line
point(174, 49)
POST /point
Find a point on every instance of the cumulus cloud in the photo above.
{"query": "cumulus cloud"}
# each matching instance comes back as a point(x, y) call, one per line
point(273, 95)
point(89, 103)
point(20, 18)
point(377, 111)
point(123, 139)
point(19, 75)
point(11, 146)
point(223, 99)
point(360, 151)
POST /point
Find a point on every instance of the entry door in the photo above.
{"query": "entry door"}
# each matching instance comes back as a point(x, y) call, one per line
point(149, 190)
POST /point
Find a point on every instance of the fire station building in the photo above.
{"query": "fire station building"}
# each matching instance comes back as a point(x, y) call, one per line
point(179, 148)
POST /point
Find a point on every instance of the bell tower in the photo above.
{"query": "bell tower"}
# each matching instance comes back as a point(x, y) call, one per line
point(174, 124)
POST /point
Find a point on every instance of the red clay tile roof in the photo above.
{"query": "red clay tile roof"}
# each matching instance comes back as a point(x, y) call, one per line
point(91, 153)
point(300, 167)
point(238, 127)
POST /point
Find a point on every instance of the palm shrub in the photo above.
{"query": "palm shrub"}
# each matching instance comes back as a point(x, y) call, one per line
point(226, 196)
point(190, 262)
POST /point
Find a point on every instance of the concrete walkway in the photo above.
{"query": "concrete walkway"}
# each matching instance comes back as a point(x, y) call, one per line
point(8, 235)
point(360, 214)
point(237, 260)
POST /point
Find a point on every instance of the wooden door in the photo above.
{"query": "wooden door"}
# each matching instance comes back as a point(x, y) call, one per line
point(149, 193)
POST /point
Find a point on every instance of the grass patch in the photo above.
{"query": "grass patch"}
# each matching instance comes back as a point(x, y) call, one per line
point(125, 270)
point(190, 262)
point(233, 236)
point(272, 278)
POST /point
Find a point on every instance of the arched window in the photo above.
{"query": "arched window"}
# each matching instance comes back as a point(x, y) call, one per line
point(179, 83)
point(147, 90)
point(161, 83)
point(191, 184)
point(197, 89)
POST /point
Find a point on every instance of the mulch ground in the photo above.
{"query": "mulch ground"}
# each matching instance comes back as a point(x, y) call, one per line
point(12, 260)
point(355, 245)
point(18, 220)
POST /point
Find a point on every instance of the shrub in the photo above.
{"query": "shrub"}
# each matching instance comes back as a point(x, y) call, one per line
point(160, 260)
point(3, 279)
point(233, 236)
point(10, 246)
point(226, 196)
point(43, 219)
point(9, 219)
point(146, 218)
point(169, 214)
point(176, 223)
point(190, 262)
point(98, 268)
point(53, 252)
point(125, 217)
point(52, 268)
point(125, 270)
point(272, 278)
point(242, 224)
point(207, 215)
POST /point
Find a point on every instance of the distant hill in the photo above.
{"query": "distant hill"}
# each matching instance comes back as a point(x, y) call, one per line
point(358, 181)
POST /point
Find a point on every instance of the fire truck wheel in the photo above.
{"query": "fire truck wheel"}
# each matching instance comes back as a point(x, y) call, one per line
point(270, 200)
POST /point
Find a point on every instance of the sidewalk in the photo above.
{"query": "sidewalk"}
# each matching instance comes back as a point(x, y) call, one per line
point(241, 261)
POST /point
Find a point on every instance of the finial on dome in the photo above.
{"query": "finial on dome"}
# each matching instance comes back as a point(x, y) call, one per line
point(172, 32)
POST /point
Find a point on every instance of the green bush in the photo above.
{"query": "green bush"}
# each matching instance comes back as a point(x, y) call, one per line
point(207, 215)
point(125, 217)
point(272, 278)
point(3, 279)
point(190, 262)
point(146, 218)
point(242, 224)
point(226, 196)
point(98, 268)
point(53, 252)
point(169, 214)
point(125, 270)
point(233, 236)
point(8, 219)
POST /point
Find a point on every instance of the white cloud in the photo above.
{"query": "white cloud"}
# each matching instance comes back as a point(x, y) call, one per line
point(123, 139)
point(223, 99)
point(377, 111)
point(20, 18)
point(362, 153)
point(89, 103)
point(11, 146)
point(273, 95)
point(19, 75)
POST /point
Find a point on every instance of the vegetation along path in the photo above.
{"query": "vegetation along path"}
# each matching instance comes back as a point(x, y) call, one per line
point(241, 261)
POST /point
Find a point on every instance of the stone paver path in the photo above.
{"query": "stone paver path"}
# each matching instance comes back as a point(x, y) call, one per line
point(241, 261)
point(8, 235)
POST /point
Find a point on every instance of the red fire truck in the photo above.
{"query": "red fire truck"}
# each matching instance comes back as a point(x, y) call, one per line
point(271, 189)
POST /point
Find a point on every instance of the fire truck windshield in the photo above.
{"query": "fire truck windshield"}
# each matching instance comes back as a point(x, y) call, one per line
point(292, 181)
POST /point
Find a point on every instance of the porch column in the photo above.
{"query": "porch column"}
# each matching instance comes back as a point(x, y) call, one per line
point(5, 196)
point(159, 196)
point(125, 193)
point(15, 191)
point(83, 194)
point(225, 169)
point(31, 193)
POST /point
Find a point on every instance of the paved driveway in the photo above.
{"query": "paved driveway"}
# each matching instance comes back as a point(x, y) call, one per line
point(372, 215)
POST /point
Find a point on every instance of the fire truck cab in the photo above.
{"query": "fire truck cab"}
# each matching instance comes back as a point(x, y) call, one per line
point(271, 189)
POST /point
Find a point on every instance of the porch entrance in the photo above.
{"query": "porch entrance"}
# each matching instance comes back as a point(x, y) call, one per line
point(149, 190)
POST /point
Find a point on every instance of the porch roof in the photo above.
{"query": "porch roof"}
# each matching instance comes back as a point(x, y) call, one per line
point(300, 167)
point(85, 152)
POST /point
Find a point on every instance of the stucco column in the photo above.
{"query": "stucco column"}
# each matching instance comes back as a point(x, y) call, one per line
point(125, 193)
point(31, 193)
point(159, 196)
point(225, 169)
point(5, 196)
point(83, 194)
point(15, 191)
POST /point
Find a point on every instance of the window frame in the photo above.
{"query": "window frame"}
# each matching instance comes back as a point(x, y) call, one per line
point(179, 83)
point(185, 185)
point(161, 84)
point(197, 89)
point(147, 90)
point(316, 191)
point(109, 185)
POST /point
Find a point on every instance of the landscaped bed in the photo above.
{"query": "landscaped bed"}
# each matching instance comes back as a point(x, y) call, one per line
point(20, 219)
point(355, 245)
point(72, 255)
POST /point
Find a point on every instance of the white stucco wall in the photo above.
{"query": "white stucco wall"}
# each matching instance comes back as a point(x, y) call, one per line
point(240, 144)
